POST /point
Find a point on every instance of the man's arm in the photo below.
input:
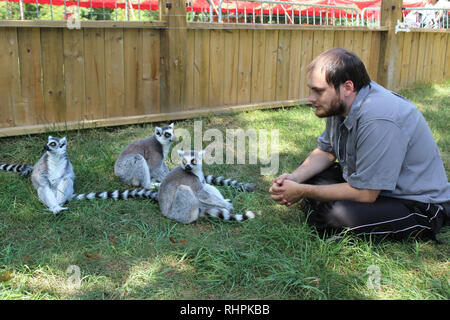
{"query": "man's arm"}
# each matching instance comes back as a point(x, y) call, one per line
point(292, 192)
point(316, 162)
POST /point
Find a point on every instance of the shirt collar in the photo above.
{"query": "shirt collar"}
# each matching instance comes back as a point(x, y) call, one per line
point(356, 105)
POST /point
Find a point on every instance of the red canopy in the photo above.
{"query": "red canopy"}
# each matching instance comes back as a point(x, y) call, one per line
point(203, 5)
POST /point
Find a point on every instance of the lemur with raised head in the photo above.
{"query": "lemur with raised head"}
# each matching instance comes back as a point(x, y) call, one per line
point(53, 176)
point(141, 163)
point(184, 195)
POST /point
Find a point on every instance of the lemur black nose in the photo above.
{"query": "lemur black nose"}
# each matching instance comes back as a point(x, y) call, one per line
point(188, 167)
point(46, 148)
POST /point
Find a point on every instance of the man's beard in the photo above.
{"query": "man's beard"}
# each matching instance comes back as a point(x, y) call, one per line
point(337, 108)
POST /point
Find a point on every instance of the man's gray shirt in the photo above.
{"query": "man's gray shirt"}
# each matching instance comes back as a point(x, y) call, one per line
point(385, 144)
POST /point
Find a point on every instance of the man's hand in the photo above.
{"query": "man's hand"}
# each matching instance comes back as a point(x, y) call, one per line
point(285, 191)
point(284, 176)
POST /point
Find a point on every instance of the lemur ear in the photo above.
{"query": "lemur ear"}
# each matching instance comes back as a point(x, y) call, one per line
point(50, 137)
point(171, 125)
point(158, 131)
point(201, 153)
point(63, 140)
point(180, 153)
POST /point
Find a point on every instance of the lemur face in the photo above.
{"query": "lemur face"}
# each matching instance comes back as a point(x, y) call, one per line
point(191, 160)
point(165, 135)
point(56, 145)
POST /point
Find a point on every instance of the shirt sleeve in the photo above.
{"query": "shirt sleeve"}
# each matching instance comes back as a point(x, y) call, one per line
point(380, 153)
point(323, 142)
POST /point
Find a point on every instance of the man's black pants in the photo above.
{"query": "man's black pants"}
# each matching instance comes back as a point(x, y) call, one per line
point(390, 217)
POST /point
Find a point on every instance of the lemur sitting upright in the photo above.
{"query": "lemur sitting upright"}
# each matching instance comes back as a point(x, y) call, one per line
point(141, 163)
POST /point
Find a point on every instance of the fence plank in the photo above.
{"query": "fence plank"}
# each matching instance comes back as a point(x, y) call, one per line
point(257, 82)
point(307, 57)
point(447, 59)
point(358, 43)
point(74, 74)
point(132, 40)
point(94, 66)
point(26, 113)
point(413, 61)
point(295, 65)
point(270, 65)
point(328, 39)
point(8, 75)
point(339, 38)
point(283, 65)
point(348, 40)
point(114, 65)
point(245, 66)
point(428, 57)
point(201, 68)
point(318, 42)
point(374, 55)
point(436, 69)
point(190, 56)
point(217, 48)
point(231, 61)
point(421, 57)
point(53, 75)
point(442, 50)
point(405, 59)
point(151, 46)
point(365, 50)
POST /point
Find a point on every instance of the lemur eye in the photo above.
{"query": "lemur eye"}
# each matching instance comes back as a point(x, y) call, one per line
point(167, 135)
point(52, 144)
point(194, 162)
point(184, 161)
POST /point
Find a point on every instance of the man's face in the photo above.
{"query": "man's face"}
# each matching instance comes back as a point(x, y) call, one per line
point(324, 97)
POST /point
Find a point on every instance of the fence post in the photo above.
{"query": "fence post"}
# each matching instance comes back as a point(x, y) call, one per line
point(173, 55)
point(391, 11)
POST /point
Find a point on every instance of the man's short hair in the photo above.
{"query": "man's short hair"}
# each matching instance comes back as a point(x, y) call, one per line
point(341, 65)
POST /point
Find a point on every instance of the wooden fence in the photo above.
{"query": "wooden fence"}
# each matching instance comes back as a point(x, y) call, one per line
point(114, 73)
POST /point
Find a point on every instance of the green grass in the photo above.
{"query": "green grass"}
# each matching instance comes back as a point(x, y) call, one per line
point(126, 249)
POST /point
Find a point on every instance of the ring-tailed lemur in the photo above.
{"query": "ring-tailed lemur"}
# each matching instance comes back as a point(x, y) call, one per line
point(53, 179)
point(53, 176)
point(24, 169)
point(185, 196)
point(141, 163)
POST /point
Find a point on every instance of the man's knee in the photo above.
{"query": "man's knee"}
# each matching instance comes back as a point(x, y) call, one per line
point(335, 215)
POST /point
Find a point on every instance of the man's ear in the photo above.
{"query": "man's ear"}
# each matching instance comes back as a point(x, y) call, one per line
point(348, 86)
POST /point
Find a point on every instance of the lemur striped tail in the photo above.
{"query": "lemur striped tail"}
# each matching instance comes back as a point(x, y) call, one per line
point(24, 169)
point(222, 181)
point(224, 214)
point(119, 195)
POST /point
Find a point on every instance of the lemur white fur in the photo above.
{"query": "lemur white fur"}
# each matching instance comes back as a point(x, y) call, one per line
point(53, 175)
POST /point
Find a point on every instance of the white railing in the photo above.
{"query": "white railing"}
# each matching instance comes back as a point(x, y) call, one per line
point(285, 12)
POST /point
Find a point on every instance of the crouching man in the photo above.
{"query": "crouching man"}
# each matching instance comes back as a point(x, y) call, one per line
point(389, 178)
